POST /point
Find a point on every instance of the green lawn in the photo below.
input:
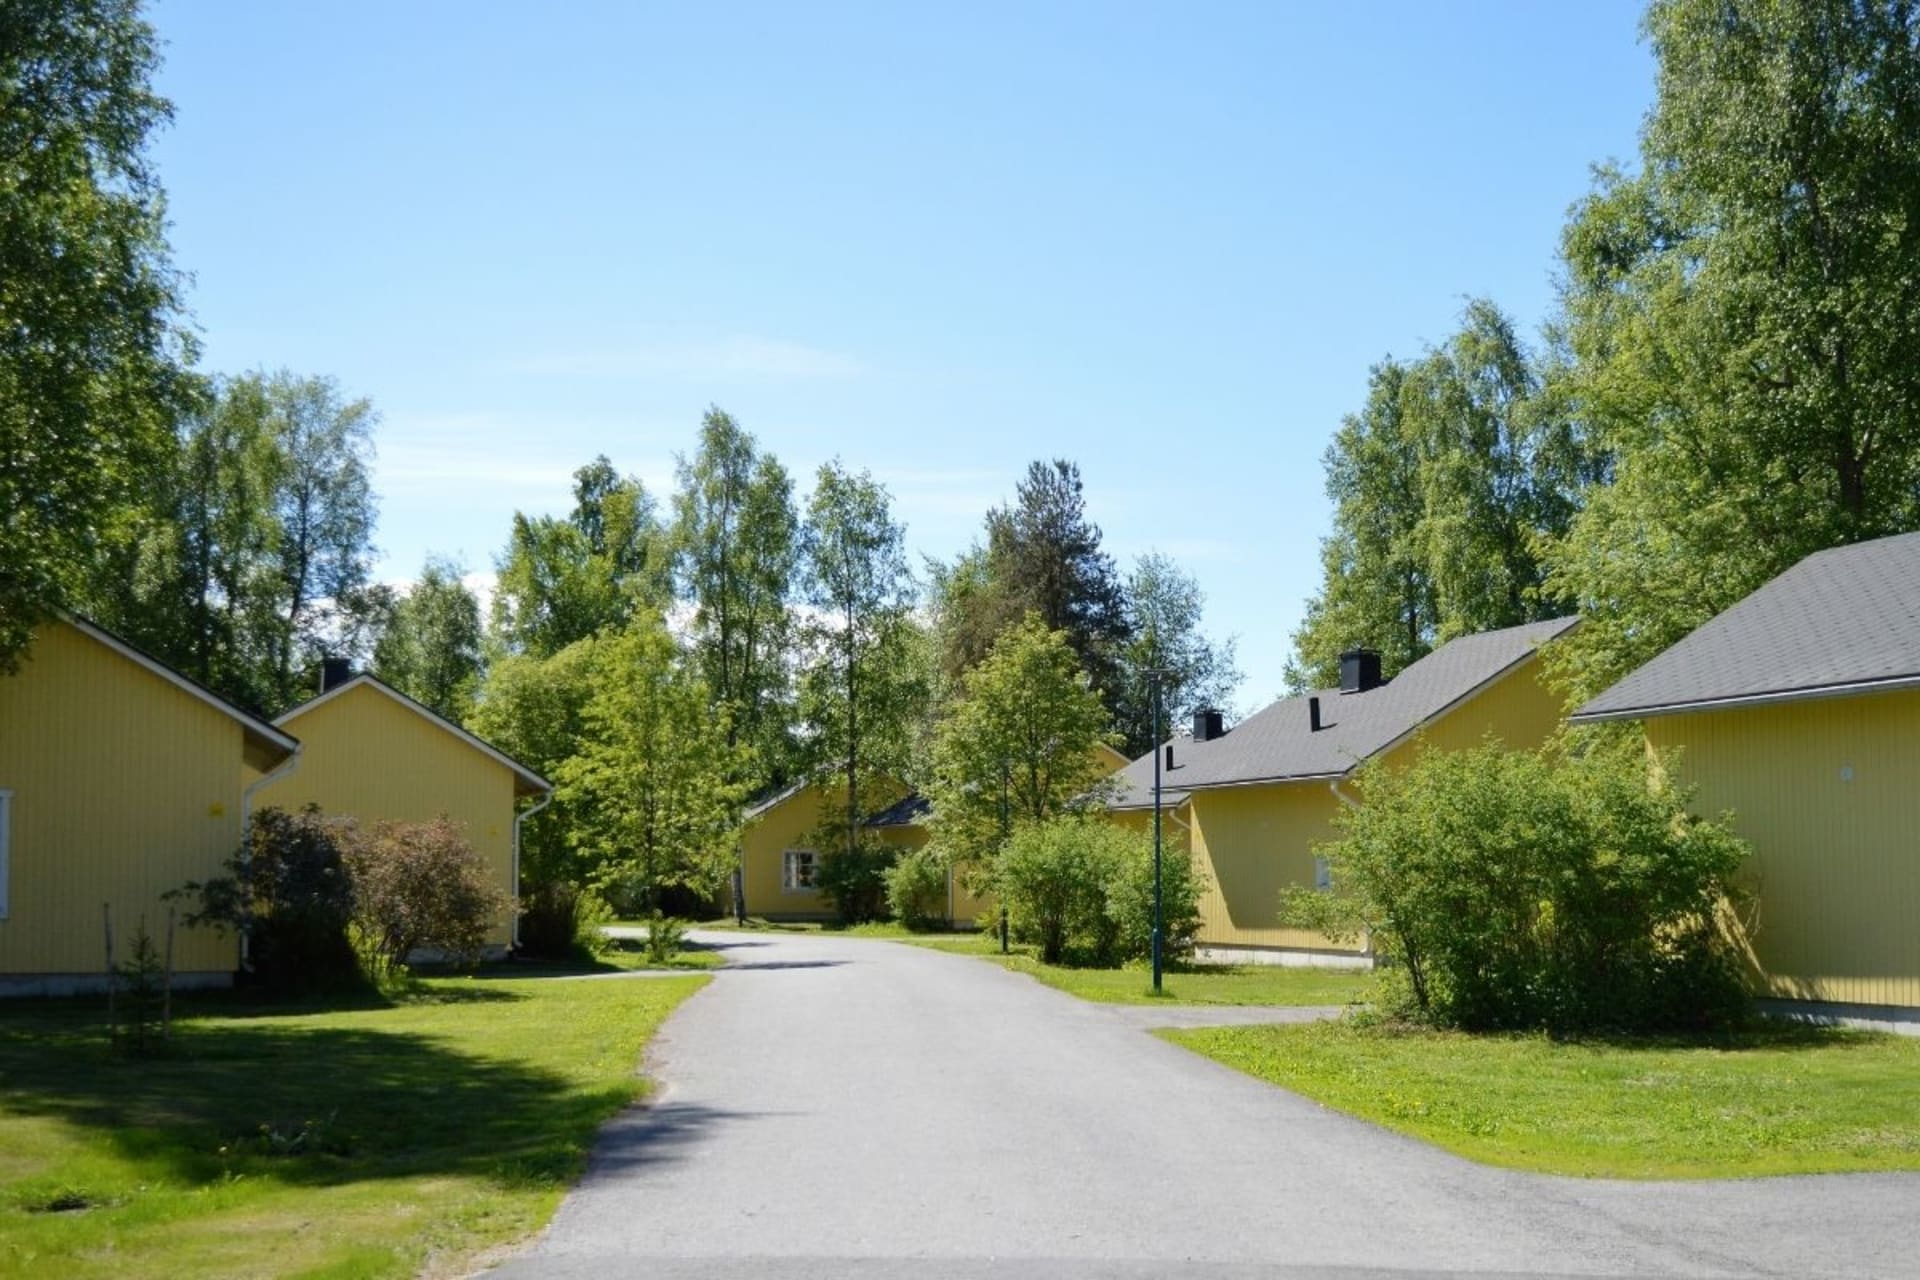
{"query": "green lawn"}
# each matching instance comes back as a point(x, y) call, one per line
point(385, 1139)
point(1771, 1101)
point(1202, 984)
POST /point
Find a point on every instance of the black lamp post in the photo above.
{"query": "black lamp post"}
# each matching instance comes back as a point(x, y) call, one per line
point(1158, 916)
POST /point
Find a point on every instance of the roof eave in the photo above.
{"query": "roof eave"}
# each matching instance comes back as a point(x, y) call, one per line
point(1812, 693)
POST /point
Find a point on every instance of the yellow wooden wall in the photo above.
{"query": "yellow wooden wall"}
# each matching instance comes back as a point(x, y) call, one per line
point(1252, 842)
point(369, 757)
point(763, 844)
point(124, 787)
point(1518, 709)
point(1828, 793)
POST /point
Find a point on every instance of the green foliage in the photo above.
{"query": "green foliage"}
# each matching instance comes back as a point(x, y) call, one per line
point(852, 875)
point(430, 647)
point(736, 544)
point(1042, 556)
point(92, 339)
point(1536, 889)
point(918, 887)
point(141, 982)
point(650, 791)
point(1163, 609)
point(534, 709)
point(1081, 889)
point(562, 922)
point(864, 686)
point(1018, 745)
point(419, 887)
point(1130, 901)
point(253, 554)
point(1739, 332)
point(562, 581)
point(1444, 486)
point(665, 938)
point(289, 893)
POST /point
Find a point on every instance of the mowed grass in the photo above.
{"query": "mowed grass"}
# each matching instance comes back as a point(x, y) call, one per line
point(407, 1135)
point(1775, 1100)
point(1253, 984)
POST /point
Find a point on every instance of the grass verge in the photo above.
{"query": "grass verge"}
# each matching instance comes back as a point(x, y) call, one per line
point(390, 1137)
point(1774, 1100)
point(1254, 984)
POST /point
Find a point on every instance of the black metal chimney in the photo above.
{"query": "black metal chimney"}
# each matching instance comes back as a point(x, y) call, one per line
point(1169, 763)
point(1313, 714)
point(335, 672)
point(1208, 724)
point(1360, 670)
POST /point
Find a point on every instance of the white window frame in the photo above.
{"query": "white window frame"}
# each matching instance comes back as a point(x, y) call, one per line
point(789, 882)
point(6, 848)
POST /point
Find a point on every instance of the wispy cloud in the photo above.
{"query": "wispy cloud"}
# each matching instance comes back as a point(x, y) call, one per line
point(736, 357)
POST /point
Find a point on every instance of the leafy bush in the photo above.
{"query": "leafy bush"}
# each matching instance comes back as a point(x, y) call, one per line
point(1129, 906)
point(854, 880)
point(1053, 878)
point(420, 887)
point(288, 892)
point(665, 938)
point(1537, 889)
point(917, 888)
point(563, 922)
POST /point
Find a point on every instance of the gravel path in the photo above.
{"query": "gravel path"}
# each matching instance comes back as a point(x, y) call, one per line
point(848, 1107)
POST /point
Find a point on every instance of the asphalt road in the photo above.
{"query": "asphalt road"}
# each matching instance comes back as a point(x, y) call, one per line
point(844, 1107)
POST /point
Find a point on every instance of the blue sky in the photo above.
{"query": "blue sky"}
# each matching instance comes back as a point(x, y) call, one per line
point(1166, 241)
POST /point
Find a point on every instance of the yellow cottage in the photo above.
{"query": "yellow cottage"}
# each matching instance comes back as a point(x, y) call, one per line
point(120, 780)
point(373, 754)
point(1250, 803)
point(1798, 710)
point(776, 861)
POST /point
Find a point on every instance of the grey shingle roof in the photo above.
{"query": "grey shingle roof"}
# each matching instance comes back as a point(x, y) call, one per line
point(1841, 618)
point(1278, 744)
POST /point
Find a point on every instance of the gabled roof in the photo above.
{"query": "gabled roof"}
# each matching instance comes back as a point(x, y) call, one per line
point(259, 734)
point(1279, 744)
point(774, 801)
point(1845, 620)
point(527, 781)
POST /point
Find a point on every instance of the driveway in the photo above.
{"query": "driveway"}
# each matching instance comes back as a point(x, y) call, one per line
point(848, 1107)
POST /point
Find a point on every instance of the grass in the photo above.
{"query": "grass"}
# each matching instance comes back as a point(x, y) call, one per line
point(384, 1136)
point(1774, 1100)
point(1253, 984)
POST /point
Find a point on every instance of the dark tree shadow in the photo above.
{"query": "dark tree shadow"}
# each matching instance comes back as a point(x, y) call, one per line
point(306, 1105)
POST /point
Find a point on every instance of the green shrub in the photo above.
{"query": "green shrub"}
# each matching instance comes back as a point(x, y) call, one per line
point(917, 887)
point(854, 880)
point(289, 894)
point(563, 922)
point(1557, 889)
point(1129, 904)
point(419, 888)
point(1053, 878)
point(665, 938)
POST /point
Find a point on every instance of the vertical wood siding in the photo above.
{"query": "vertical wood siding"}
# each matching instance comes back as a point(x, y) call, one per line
point(1828, 794)
point(764, 843)
point(124, 787)
point(370, 758)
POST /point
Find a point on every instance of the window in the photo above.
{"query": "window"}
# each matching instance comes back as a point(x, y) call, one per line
point(796, 874)
point(6, 847)
point(1322, 874)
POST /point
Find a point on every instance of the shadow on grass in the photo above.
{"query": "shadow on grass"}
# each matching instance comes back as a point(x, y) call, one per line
point(307, 1105)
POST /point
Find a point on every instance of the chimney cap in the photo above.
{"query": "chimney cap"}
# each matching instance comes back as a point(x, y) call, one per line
point(1208, 724)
